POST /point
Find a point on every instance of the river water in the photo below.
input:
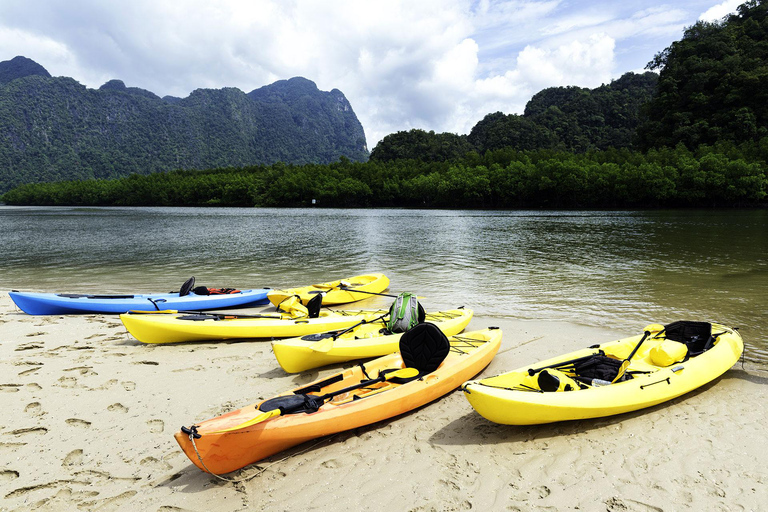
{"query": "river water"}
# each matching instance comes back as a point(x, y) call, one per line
point(619, 269)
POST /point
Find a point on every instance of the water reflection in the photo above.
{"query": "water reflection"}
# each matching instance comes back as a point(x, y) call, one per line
point(619, 269)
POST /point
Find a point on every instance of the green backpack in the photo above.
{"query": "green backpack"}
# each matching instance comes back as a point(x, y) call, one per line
point(405, 313)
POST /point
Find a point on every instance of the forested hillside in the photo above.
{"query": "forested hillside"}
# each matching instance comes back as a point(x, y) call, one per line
point(695, 135)
point(713, 83)
point(572, 119)
point(54, 128)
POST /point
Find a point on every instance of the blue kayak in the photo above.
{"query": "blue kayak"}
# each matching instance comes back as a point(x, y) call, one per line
point(75, 303)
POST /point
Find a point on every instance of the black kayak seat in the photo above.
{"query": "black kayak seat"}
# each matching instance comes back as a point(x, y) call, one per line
point(424, 347)
point(696, 335)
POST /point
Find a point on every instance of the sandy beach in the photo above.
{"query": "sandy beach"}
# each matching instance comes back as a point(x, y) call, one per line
point(89, 415)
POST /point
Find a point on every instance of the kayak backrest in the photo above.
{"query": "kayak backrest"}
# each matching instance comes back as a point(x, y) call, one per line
point(314, 304)
point(696, 335)
point(187, 286)
point(424, 347)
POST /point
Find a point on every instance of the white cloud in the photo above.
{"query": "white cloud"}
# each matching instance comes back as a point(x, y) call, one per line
point(433, 64)
point(719, 11)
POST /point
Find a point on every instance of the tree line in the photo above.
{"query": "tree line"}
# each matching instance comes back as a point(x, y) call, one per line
point(724, 175)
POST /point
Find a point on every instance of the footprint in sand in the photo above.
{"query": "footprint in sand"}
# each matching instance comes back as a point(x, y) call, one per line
point(156, 426)
point(108, 384)
point(77, 422)
point(7, 475)
point(67, 382)
point(10, 388)
point(26, 431)
point(40, 333)
point(155, 463)
point(113, 503)
point(73, 458)
point(34, 408)
point(129, 385)
point(117, 407)
point(31, 371)
point(330, 464)
point(190, 369)
point(33, 386)
point(82, 370)
point(28, 346)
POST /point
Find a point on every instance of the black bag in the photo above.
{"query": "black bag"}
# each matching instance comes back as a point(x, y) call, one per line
point(599, 367)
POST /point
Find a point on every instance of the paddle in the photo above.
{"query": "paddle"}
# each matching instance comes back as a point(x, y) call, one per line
point(346, 287)
point(653, 328)
point(326, 344)
point(318, 401)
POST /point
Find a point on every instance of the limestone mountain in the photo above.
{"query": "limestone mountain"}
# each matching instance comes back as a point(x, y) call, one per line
point(54, 128)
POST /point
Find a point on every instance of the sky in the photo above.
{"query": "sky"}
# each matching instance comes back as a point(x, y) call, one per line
point(437, 65)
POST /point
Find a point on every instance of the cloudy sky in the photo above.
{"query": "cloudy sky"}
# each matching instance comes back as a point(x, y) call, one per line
point(433, 64)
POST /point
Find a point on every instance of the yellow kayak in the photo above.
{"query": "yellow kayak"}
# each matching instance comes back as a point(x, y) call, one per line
point(342, 291)
point(173, 327)
point(363, 341)
point(665, 362)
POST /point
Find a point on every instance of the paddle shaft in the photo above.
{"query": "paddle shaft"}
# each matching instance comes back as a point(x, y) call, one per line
point(645, 335)
point(318, 401)
point(363, 384)
point(361, 322)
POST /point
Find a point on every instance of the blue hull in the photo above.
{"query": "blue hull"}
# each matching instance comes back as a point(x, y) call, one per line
point(55, 304)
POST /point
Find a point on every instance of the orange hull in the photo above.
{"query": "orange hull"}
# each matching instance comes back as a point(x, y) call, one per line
point(228, 451)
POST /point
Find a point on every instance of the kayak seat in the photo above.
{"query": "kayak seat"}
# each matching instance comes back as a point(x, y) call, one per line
point(600, 367)
point(697, 336)
point(187, 286)
point(424, 347)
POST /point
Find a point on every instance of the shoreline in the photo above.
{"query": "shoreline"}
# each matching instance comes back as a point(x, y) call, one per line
point(90, 414)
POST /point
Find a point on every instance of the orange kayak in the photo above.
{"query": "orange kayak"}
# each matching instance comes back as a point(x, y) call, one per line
point(233, 440)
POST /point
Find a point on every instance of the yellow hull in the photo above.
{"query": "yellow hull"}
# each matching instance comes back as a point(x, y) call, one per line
point(174, 327)
point(356, 290)
point(364, 341)
point(504, 398)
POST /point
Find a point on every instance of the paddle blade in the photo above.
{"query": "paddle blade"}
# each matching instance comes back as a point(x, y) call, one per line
point(622, 369)
point(403, 373)
point(258, 419)
point(323, 346)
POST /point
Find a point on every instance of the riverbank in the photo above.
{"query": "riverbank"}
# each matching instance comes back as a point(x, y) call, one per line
point(89, 415)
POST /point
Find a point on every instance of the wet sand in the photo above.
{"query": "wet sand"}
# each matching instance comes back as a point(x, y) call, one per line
point(89, 415)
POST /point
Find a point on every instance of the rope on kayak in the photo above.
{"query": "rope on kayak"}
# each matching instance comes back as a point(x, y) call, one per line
point(261, 469)
point(200, 458)
point(460, 342)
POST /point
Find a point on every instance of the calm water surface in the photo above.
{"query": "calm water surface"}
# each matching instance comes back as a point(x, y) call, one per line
point(617, 269)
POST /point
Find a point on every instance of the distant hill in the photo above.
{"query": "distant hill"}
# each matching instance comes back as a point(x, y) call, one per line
point(713, 84)
point(19, 67)
point(54, 128)
point(574, 119)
